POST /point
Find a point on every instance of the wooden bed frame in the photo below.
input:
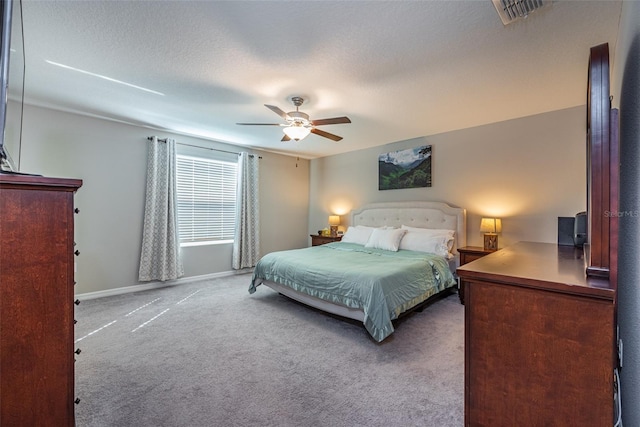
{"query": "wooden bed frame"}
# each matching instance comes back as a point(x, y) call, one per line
point(435, 215)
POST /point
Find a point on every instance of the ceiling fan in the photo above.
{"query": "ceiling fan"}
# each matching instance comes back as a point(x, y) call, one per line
point(298, 125)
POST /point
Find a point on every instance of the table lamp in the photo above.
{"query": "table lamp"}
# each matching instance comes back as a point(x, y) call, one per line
point(334, 222)
point(491, 227)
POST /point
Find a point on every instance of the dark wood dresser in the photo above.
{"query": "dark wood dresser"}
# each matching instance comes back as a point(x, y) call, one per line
point(36, 301)
point(317, 240)
point(539, 339)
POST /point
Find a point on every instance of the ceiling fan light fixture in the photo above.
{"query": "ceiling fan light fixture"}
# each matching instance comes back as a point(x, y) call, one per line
point(298, 125)
point(296, 131)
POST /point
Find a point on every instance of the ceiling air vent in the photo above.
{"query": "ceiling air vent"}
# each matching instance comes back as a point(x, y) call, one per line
point(513, 10)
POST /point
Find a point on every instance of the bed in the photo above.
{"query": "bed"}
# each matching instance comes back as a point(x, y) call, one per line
point(371, 282)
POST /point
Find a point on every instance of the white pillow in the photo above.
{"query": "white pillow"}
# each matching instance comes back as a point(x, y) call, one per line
point(359, 234)
point(422, 242)
point(387, 239)
point(434, 232)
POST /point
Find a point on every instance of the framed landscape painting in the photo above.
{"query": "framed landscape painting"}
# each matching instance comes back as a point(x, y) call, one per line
point(410, 168)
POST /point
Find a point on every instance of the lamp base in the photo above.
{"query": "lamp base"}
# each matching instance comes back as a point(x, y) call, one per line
point(490, 242)
point(334, 230)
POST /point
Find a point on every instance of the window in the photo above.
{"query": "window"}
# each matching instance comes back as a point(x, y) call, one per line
point(206, 200)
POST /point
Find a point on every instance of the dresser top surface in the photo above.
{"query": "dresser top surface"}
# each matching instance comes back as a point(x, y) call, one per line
point(36, 181)
point(539, 265)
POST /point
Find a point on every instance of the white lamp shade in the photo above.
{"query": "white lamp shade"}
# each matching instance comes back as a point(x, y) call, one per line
point(491, 225)
point(296, 132)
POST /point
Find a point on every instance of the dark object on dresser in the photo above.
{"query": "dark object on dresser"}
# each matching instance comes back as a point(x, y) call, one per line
point(580, 229)
point(572, 230)
point(36, 301)
point(566, 228)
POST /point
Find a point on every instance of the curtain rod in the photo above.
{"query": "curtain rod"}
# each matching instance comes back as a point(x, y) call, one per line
point(150, 138)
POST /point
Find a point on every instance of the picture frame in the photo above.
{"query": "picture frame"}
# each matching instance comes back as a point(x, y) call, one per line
point(409, 168)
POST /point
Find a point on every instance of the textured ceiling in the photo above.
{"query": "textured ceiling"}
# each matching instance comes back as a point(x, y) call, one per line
point(399, 69)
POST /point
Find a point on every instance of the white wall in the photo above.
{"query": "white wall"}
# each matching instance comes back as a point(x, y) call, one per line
point(111, 158)
point(526, 171)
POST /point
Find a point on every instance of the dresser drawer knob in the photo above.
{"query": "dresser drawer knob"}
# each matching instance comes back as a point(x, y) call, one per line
point(77, 302)
point(78, 351)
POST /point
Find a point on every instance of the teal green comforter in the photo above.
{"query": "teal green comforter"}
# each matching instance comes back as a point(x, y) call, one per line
point(381, 283)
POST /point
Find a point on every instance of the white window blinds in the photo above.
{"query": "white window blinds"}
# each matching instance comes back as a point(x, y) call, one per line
point(206, 199)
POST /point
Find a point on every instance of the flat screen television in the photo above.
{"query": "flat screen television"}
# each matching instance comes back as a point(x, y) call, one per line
point(12, 66)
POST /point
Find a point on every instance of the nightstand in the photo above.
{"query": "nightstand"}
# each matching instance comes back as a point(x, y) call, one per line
point(468, 254)
point(317, 240)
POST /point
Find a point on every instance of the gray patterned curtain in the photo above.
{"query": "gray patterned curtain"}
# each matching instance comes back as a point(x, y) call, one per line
point(246, 243)
point(160, 257)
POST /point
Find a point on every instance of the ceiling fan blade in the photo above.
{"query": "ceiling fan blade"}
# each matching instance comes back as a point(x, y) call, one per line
point(332, 121)
point(285, 138)
point(278, 111)
point(260, 124)
point(336, 138)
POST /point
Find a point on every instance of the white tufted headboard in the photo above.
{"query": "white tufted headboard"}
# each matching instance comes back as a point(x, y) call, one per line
point(414, 214)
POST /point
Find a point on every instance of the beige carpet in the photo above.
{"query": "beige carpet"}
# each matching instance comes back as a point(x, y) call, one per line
point(210, 354)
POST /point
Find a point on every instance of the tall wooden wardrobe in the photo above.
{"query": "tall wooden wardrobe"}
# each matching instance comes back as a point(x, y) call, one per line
point(36, 301)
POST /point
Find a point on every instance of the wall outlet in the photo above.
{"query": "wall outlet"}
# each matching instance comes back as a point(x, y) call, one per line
point(620, 352)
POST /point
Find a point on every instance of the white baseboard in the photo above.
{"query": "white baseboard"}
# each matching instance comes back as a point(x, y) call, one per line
point(156, 285)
